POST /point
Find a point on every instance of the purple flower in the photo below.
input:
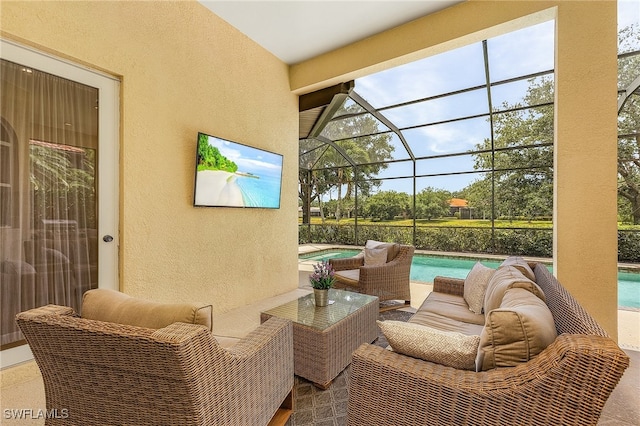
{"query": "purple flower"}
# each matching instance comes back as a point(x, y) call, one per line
point(322, 276)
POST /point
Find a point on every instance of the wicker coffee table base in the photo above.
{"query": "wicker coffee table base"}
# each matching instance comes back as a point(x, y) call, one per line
point(321, 354)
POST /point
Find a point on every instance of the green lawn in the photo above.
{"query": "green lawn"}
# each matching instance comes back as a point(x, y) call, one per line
point(453, 222)
point(445, 222)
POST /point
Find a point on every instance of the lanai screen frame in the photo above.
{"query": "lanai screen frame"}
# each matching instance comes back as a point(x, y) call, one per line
point(323, 143)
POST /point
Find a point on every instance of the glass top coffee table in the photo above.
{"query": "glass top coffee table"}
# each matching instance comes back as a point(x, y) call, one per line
point(325, 337)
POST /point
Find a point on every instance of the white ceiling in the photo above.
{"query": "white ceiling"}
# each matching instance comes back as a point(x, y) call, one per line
point(296, 30)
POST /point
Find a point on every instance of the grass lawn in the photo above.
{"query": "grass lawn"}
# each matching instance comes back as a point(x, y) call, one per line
point(444, 222)
point(453, 222)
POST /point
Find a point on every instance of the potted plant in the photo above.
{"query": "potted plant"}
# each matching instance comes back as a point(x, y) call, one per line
point(322, 280)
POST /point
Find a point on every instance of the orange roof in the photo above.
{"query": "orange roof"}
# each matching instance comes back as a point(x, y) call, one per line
point(458, 202)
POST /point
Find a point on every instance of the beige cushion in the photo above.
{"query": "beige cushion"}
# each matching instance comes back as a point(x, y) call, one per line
point(375, 256)
point(505, 278)
point(348, 276)
point(392, 248)
point(445, 323)
point(451, 306)
point(114, 306)
point(446, 348)
point(516, 332)
point(521, 265)
point(475, 286)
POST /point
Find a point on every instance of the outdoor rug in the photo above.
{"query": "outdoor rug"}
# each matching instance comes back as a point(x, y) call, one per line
point(314, 406)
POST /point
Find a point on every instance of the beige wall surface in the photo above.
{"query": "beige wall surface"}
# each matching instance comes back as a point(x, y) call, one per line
point(183, 70)
point(585, 216)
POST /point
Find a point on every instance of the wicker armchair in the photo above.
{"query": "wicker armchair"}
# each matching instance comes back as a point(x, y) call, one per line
point(102, 373)
point(568, 383)
point(388, 282)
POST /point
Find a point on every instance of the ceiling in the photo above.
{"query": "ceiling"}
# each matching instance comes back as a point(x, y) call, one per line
point(297, 30)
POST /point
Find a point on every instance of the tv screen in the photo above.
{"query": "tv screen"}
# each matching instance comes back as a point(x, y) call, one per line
point(231, 174)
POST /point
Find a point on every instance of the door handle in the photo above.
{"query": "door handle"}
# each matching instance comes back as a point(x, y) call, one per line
point(107, 238)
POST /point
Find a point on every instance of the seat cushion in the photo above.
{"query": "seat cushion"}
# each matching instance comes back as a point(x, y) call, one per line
point(450, 306)
point(447, 348)
point(348, 276)
point(444, 323)
point(114, 306)
point(475, 286)
point(517, 331)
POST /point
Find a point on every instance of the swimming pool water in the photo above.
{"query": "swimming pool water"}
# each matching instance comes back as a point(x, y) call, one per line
point(425, 268)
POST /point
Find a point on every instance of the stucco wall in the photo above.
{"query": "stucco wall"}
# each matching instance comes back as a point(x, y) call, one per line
point(585, 209)
point(183, 70)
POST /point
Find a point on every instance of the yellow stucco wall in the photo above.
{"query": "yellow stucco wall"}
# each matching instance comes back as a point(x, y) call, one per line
point(183, 70)
point(585, 218)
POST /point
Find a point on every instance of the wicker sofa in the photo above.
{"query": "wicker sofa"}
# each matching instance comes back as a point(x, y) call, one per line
point(167, 368)
point(567, 383)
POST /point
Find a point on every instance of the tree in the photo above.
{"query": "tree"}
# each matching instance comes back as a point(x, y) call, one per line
point(478, 195)
point(63, 183)
point(386, 205)
point(432, 203)
point(522, 159)
point(629, 128)
point(332, 171)
point(210, 158)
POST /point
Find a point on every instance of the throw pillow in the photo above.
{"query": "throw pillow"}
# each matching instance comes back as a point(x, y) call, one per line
point(521, 264)
point(392, 248)
point(446, 348)
point(516, 332)
point(375, 256)
point(475, 286)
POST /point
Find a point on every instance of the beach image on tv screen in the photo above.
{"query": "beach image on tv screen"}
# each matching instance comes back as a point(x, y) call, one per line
point(235, 175)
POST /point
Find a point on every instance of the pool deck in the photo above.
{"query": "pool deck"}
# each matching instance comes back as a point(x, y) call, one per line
point(628, 320)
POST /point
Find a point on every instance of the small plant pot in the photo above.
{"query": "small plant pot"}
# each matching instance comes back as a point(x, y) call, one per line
point(321, 296)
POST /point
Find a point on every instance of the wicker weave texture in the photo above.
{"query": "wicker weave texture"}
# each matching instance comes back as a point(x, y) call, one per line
point(388, 282)
point(567, 384)
point(321, 354)
point(112, 374)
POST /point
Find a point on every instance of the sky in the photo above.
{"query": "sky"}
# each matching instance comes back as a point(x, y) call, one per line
point(526, 51)
point(249, 159)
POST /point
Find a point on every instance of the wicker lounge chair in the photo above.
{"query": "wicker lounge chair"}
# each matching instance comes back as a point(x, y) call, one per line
point(568, 383)
point(103, 373)
point(389, 281)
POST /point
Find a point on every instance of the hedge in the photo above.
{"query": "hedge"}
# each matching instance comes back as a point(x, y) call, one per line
point(507, 241)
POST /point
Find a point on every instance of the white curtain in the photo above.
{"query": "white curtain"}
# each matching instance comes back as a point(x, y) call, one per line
point(48, 223)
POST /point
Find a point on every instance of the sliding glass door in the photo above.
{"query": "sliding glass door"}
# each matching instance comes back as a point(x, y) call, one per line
point(58, 185)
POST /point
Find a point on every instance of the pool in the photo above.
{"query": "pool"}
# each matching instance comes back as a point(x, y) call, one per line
point(424, 268)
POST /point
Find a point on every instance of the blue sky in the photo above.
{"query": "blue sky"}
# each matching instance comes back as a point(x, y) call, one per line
point(249, 159)
point(519, 53)
point(526, 51)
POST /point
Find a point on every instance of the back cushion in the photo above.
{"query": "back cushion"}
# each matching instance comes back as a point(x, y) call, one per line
point(392, 248)
point(114, 306)
point(519, 330)
point(520, 264)
point(505, 278)
point(375, 256)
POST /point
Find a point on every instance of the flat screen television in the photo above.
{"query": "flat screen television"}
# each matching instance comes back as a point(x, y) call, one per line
point(231, 174)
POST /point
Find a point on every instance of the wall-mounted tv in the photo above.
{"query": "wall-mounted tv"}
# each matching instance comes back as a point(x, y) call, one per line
point(231, 174)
